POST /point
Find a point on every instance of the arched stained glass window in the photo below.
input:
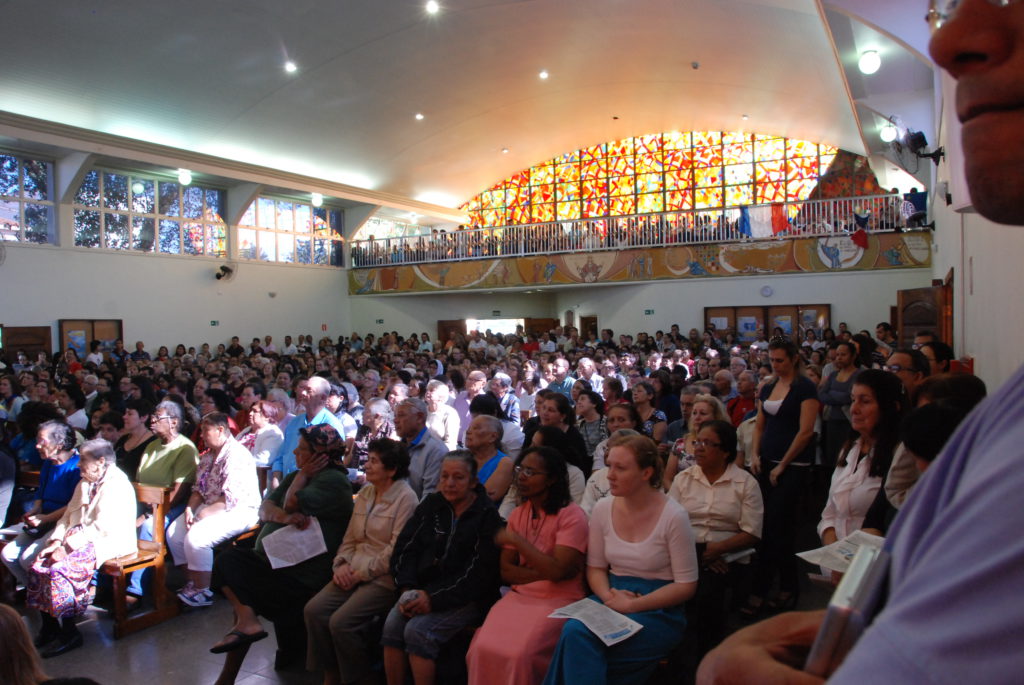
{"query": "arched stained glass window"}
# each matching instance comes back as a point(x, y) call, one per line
point(662, 172)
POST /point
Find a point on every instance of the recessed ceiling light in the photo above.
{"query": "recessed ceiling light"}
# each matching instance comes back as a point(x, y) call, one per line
point(290, 67)
point(184, 177)
point(745, 117)
point(543, 74)
point(419, 116)
point(869, 62)
point(317, 199)
point(433, 7)
point(504, 150)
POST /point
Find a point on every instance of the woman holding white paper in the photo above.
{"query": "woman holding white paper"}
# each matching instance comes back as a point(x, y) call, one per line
point(641, 562)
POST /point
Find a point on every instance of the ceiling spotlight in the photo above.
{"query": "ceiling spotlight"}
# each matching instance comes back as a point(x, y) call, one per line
point(745, 117)
point(290, 67)
point(413, 218)
point(184, 177)
point(543, 74)
point(317, 199)
point(869, 62)
point(887, 133)
point(504, 150)
point(433, 7)
point(138, 188)
point(419, 116)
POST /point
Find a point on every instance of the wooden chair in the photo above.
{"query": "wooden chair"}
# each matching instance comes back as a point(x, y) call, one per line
point(150, 554)
point(27, 479)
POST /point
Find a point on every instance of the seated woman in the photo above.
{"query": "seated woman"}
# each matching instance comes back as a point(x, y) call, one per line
point(554, 410)
point(223, 503)
point(548, 436)
point(726, 510)
point(137, 436)
point(446, 566)
point(640, 562)
point(362, 586)
point(542, 557)
point(654, 423)
point(58, 479)
point(494, 467)
point(320, 489)
point(706, 408)
point(98, 524)
point(875, 414)
point(263, 417)
point(377, 424)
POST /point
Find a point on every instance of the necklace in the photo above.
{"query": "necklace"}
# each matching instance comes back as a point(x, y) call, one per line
point(534, 524)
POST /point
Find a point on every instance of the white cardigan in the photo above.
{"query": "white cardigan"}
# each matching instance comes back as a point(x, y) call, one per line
point(851, 494)
point(108, 520)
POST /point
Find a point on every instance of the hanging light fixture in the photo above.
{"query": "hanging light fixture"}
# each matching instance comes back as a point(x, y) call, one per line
point(870, 61)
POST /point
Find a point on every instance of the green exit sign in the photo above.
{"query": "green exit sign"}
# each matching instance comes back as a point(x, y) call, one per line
point(648, 312)
point(215, 323)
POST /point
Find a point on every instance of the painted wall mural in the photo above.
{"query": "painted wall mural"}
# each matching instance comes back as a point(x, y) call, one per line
point(716, 260)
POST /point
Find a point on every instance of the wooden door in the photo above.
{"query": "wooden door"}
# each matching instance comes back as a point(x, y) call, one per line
point(588, 325)
point(722, 318)
point(79, 333)
point(448, 327)
point(923, 309)
point(28, 339)
point(539, 326)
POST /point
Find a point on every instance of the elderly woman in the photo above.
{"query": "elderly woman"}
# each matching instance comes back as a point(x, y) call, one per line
point(640, 562)
point(442, 419)
point(378, 422)
point(494, 467)
point(263, 418)
point(361, 586)
point(682, 452)
point(542, 558)
point(725, 507)
point(318, 489)
point(98, 524)
point(446, 566)
point(223, 503)
point(58, 478)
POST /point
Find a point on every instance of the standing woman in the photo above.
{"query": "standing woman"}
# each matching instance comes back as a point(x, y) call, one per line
point(361, 586)
point(640, 562)
point(783, 453)
point(542, 558)
point(835, 395)
point(878, 402)
point(654, 423)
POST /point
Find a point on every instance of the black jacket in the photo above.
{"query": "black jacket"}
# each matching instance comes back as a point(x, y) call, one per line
point(454, 561)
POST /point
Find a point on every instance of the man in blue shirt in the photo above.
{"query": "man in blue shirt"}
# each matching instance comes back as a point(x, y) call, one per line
point(426, 452)
point(563, 382)
point(957, 570)
point(311, 394)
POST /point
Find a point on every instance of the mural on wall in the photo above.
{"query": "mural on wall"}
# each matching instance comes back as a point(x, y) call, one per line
point(800, 255)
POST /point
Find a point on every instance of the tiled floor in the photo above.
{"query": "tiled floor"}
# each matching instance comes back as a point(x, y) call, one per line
point(175, 652)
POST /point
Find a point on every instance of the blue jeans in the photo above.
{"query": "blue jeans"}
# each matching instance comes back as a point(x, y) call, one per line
point(140, 580)
point(426, 634)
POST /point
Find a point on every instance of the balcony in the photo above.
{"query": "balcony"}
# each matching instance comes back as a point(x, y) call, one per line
point(814, 235)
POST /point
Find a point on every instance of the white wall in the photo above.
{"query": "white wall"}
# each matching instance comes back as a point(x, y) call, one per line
point(862, 299)
point(417, 313)
point(164, 300)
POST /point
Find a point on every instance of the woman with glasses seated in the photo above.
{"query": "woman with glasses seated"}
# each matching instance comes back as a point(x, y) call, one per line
point(542, 554)
point(725, 507)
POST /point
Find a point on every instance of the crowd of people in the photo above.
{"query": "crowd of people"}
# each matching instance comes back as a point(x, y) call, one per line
point(660, 475)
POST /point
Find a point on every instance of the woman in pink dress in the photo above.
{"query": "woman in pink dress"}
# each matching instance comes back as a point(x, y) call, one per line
point(543, 549)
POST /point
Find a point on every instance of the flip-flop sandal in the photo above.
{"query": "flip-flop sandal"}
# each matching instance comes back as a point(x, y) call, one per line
point(243, 640)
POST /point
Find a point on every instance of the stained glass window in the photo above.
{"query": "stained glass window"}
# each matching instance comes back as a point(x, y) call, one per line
point(673, 171)
point(291, 232)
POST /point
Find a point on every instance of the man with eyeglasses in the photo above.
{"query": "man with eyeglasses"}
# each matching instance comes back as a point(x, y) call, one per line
point(911, 367)
point(957, 554)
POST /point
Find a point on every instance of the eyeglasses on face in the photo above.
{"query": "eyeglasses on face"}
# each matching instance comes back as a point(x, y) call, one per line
point(706, 443)
point(529, 472)
point(941, 11)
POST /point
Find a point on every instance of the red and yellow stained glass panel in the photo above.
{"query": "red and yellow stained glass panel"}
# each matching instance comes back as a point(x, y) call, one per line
point(542, 194)
point(802, 168)
point(707, 156)
point(774, 191)
point(648, 144)
point(649, 162)
point(620, 185)
point(678, 200)
point(619, 166)
point(621, 147)
point(801, 148)
point(705, 198)
point(739, 195)
point(771, 171)
point(648, 183)
point(543, 213)
point(769, 148)
point(595, 207)
point(650, 203)
point(519, 215)
point(676, 140)
point(595, 189)
point(567, 173)
point(707, 176)
point(706, 138)
point(678, 159)
point(619, 206)
point(566, 192)
point(568, 211)
point(739, 173)
point(800, 189)
point(541, 175)
point(737, 153)
point(594, 168)
point(677, 180)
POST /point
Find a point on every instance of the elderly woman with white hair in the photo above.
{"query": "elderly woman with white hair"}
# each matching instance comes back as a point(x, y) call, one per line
point(378, 422)
point(442, 419)
point(501, 388)
point(98, 524)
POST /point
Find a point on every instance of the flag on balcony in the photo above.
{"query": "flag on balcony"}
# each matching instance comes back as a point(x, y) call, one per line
point(756, 222)
point(780, 222)
point(860, 238)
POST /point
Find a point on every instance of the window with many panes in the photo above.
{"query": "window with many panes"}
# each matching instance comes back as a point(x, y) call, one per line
point(290, 232)
point(26, 200)
point(120, 211)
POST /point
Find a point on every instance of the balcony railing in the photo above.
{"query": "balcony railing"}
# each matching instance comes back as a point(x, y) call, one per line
point(755, 222)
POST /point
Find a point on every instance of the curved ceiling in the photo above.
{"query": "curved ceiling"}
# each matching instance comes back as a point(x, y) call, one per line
point(208, 77)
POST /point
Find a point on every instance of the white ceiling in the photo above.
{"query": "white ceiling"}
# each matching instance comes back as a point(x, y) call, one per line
point(206, 76)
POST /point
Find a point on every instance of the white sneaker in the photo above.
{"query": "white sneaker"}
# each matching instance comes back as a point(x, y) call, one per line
point(195, 597)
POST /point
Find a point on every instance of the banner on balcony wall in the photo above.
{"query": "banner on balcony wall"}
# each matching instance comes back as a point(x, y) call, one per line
point(800, 255)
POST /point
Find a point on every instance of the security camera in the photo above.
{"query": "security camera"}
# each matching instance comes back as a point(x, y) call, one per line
point(223, 272)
